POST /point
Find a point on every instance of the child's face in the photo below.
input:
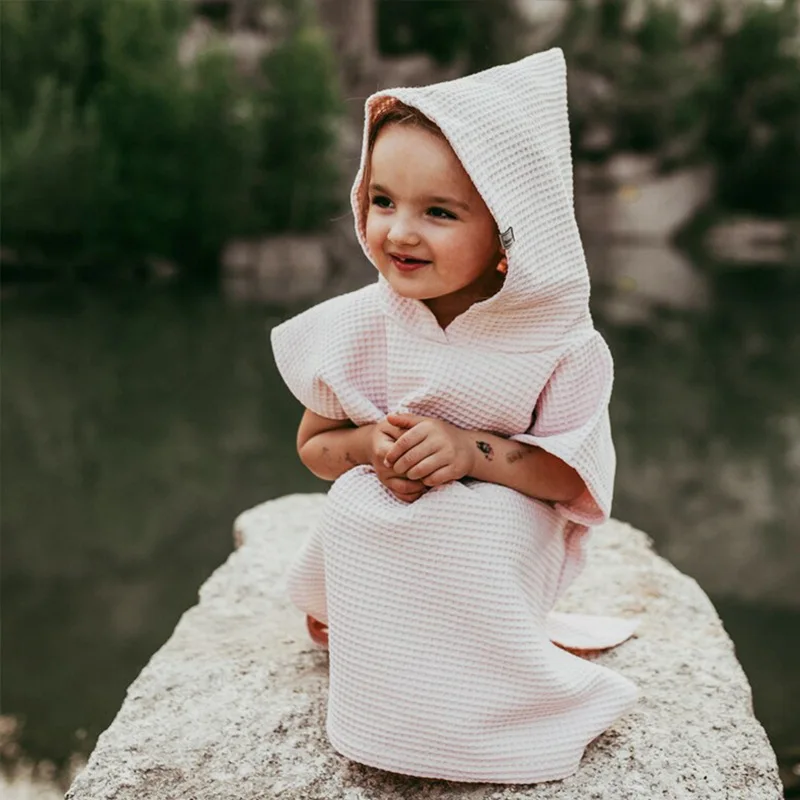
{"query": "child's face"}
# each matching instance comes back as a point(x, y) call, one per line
point(423, 206)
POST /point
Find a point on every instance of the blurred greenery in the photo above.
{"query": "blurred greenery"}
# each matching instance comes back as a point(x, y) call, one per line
point(720, 89)
point(479, 34)
point(297, 171)
point(755, 124)
point(632, 83)
point(114, 151)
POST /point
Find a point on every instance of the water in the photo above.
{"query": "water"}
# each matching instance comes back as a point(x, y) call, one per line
point(137, 425)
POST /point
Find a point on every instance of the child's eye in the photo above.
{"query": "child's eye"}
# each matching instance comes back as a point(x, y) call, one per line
point(441, 213)
point(381, 200)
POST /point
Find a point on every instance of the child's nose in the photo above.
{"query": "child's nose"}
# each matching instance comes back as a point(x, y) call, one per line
point(403, 232)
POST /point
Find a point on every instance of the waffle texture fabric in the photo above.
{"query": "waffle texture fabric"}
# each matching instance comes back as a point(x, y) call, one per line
point(441, 631)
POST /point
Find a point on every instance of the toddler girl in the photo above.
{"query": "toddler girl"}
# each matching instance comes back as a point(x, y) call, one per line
point(460, 403)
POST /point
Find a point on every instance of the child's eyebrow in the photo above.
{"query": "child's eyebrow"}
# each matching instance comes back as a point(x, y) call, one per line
point(449, 201)
point(376, 187)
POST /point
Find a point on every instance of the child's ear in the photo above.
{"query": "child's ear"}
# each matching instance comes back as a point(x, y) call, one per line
point(502, 264)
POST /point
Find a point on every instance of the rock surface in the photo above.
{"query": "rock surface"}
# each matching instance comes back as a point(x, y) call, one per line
point(627, 198)
point(233, 705)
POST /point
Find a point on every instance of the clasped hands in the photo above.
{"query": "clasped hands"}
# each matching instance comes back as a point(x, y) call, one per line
point(411, 454)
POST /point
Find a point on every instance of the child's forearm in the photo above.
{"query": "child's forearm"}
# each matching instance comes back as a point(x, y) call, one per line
point(332, 453)
point(523, 467)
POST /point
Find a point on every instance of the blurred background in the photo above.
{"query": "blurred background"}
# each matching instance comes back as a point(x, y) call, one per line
point(174, 183)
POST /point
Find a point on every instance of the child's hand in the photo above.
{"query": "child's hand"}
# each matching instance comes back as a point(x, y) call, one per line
point(431, 450)
point(383, 438)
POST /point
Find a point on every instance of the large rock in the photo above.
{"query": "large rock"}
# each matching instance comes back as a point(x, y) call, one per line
point(233, 706)
point(644, 277)
point(627, 198)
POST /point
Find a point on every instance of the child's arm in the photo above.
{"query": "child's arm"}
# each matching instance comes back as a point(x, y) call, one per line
point(523, 467)
point(437, 452)
point(331, 447)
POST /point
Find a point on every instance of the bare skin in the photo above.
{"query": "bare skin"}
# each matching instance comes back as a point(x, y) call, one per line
point(410, 454)
point(330, 447)
point(435, 452)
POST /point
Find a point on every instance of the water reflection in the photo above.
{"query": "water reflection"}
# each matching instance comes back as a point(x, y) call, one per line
point(135, 428)
point(707, 417)
point(640, 278)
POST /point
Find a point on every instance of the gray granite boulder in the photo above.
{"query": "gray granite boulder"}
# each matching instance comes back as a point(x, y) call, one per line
point(233, 706)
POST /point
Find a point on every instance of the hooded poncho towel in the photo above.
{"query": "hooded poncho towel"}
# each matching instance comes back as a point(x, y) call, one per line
point(439, 611)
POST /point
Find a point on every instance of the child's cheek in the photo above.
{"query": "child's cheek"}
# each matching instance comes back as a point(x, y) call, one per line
point(449, 245)
point(370, 226)
point(375, 234)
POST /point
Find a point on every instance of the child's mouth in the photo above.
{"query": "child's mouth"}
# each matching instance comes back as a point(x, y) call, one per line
point(406, 264)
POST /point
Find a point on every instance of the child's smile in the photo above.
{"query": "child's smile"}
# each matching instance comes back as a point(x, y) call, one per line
point(406, 263)
point(428, 230)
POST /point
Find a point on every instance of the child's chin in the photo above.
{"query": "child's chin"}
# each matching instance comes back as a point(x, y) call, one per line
point(410, 292)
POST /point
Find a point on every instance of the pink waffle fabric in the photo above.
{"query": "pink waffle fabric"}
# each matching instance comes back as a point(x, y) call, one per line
point(441, 629)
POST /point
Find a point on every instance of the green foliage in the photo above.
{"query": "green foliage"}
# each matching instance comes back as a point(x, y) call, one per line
point(715, 90)
point(62, 40)
point(297, 110)
point(480, 33)
point(113, 151)
point(755, 124)
point(633, 81)
point(52, 178)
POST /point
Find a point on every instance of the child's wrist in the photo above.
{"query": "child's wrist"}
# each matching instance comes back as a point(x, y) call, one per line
point(470, 449)
point(364, 444)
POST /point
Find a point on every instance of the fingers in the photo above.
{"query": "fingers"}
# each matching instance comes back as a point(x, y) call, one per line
point(403, 485)
point(426, 466)
point(404, 489)
point(438, 477)
point(408, 440)
point(382, 450)
point(391, 431)
point(409, 498)
point(405, 420)
point(418, 451)
point(412, 458)
point(387, 435)
point(412, 491)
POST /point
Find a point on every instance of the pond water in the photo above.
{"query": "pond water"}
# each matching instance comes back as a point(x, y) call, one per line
point(136, 425)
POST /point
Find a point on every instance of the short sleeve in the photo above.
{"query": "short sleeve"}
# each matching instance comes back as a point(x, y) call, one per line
point(571, 421)
point(299, 347)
